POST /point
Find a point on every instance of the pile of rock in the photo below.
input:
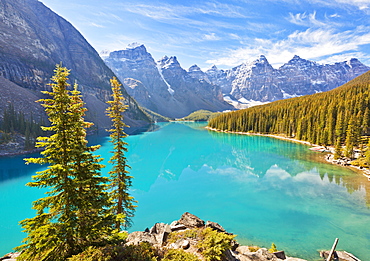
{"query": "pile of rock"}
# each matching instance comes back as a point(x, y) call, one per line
point(158, 234)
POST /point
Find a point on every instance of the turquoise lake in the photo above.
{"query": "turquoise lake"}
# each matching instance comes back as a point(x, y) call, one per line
point(262, 189)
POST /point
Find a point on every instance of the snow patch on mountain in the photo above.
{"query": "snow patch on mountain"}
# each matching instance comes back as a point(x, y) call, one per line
point(170, 90)
point(287, 95)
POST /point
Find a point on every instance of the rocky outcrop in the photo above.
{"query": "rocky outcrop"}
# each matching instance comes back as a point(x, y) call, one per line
point(157, 236)
point(164, 86)
point(34, 39)
point(190, 220)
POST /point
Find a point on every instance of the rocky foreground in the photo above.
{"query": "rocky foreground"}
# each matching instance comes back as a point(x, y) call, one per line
point(163, 236)
point(189, 239)
point(192, 237)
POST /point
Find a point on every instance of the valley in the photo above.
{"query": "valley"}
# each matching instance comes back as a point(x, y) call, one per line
point(183, 151)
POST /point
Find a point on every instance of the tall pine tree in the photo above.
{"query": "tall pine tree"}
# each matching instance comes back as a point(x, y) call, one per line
point(120, 179)
point(75, 213)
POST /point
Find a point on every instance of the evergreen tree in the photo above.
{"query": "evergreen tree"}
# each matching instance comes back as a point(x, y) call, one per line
point(367, 153)
point(365, 122)
point(75, 213)
point(350, 139)
point(338, 149)
point(330, 118)
point(120, 179)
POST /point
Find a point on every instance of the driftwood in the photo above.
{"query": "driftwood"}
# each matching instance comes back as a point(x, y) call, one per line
point(340, 256)
point(332, 249)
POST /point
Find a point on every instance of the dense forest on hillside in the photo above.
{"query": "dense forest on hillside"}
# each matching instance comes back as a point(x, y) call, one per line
point(337, 117)
point(13, 122)
point(200, 115)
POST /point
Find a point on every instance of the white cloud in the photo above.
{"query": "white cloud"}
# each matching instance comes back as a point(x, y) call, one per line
point(310, 44)
point(334, 16)
point(361, 4)
point(188, 16)
point(96, 25)
point(304, 19)
point(175, 12)
point(344, 57)
point(234, 36)
point(211, 37)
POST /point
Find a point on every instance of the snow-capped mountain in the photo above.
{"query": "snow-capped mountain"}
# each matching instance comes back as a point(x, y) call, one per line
point(259, 81)
point(164, 86)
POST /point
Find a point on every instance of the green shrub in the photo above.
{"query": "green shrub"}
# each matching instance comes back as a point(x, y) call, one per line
point(91, 254)
point(188, 233)
point(213, 244)
point(179, 255)
point(142, 252)
point(253, 248)
point(273, 248)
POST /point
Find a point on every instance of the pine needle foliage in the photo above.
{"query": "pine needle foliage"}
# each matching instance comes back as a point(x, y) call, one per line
point(337, 117)
point(124, 204)
point(75, 213)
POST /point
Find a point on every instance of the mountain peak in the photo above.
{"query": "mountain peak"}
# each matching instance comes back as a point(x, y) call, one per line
point(297, 58)
point(194, 68)
point(262, 60)
point(262, 57)
point(134, 45)
point(298, 62)
point(133, 51)
point(169, 62)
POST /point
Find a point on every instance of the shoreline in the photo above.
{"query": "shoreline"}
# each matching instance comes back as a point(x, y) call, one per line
point(18, 153)
point(328, 157)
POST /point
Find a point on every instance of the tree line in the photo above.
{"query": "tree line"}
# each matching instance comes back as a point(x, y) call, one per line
point(82, 209)
point(15, 122)
point(339, 117)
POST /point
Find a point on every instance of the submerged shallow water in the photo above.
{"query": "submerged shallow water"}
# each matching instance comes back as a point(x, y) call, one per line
point(262, 189)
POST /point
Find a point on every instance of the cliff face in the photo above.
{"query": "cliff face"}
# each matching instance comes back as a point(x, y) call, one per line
point(33, 39)
point(164, 86)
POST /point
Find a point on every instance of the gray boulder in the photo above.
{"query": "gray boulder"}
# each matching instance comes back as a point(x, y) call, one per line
point(190, 220)
point(215, 226)
point(161, 232)
point(135, 238)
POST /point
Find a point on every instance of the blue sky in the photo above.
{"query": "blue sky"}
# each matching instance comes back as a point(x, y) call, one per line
point(226, 32)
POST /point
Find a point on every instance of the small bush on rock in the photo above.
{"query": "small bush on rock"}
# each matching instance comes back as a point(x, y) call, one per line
point(253, 248)
point(142, 252)
point(273, 248)
point(213, 244)
point(91, 254)
point(188, 233)
point(179, 255)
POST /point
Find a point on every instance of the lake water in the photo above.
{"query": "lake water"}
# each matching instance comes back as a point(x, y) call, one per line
point(262, 189)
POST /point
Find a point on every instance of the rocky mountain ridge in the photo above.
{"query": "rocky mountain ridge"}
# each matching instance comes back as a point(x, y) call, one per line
point(259, 81)
point(164, 86)
point(158, 84)
point(33, 39)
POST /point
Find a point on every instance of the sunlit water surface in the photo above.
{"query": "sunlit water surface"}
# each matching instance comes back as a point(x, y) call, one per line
point(262, 189)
